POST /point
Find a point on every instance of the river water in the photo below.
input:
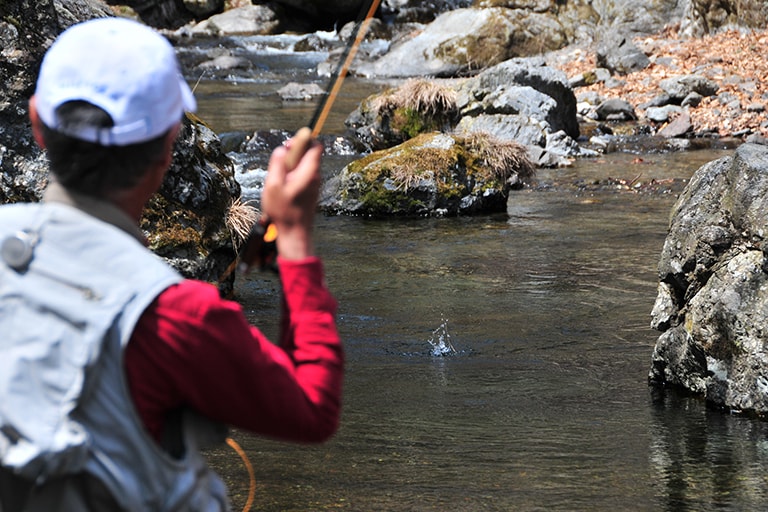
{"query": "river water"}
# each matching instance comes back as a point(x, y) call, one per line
point(499, 362)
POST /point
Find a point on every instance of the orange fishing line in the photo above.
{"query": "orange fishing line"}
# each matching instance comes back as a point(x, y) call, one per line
point(251, 475)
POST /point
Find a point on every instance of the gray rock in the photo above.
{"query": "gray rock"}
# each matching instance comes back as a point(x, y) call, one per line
point(197, 191)
point(530, 73)
point(703, 17)
point(226, 62)
point(615, 109)
point(523, 129)
point(248, 20)
point(616, 52)
point(693, 99)
point(659, 100)
point(679, 87)
point(678, 127)
point(293, 91)
point(713, 290)
point(662, 114)
point(462, 41)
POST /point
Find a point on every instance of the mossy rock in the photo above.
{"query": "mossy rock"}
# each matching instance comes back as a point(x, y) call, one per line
point(433, 174)
point(389, 118)
point(186, 220)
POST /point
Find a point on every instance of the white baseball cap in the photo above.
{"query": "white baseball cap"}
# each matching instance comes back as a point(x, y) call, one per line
point(121, 66)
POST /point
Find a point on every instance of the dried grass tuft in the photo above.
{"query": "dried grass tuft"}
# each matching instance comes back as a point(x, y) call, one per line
point(427, 98)
point(501, 157)
point(422, 163)
point(241, 217)
point(423, 96)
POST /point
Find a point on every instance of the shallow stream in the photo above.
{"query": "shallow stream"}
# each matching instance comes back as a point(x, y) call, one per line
point(498, 362)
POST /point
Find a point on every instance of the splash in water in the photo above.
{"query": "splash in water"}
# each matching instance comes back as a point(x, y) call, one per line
point(441, 341)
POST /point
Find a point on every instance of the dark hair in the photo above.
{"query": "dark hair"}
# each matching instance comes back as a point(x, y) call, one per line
point(91, 168)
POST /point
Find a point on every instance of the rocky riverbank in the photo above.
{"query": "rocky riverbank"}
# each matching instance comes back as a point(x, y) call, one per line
point(734, 60)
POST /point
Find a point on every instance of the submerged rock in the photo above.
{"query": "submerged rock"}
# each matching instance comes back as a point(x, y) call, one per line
point(713, 286)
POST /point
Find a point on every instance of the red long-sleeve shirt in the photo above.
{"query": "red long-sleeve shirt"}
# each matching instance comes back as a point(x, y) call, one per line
point(193, 349)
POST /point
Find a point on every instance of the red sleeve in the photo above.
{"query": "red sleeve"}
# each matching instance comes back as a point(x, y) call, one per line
point(193, 349)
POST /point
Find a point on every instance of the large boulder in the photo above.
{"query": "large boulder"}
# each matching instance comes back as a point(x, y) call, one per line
point(27, 29)
point(526, 101)
point(462, 41)
point(520, 100)
point(712, 298)
point(187, 220)
point(617, 52)
point(523, 87)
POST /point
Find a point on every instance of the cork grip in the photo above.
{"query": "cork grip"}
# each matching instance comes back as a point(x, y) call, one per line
point(299, 145)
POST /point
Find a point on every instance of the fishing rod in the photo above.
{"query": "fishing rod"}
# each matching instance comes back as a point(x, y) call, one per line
point(260, 249)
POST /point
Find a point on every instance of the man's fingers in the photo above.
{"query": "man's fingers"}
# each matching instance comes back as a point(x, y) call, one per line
point(277, 168)
point(297, 146)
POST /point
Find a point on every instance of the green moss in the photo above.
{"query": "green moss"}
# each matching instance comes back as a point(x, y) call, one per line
point(387, 182)
point(411, 123)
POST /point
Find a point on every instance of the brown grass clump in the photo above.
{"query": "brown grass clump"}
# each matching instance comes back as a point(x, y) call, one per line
point(427, 97)
point(423, 96)
point(241, 217)
point(500, 157)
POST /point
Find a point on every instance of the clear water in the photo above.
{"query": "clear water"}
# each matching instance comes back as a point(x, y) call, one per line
point(500, 363)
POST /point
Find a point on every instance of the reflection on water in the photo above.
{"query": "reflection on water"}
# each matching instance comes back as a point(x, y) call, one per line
point(704, 460)
point(498, 362)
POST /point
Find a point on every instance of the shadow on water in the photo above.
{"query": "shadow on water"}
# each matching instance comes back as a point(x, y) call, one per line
point(497, 362)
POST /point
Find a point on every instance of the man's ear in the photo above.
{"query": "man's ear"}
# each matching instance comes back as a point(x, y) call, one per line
point(37, 124)
point(170, 141)
point(161, 166)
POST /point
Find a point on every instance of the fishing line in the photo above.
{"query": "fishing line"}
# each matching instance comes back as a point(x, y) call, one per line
point(251, 475)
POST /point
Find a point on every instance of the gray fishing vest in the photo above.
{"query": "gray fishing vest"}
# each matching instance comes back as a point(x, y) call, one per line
point(71, 291)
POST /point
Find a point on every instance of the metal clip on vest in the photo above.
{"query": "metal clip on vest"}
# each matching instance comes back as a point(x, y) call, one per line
point(17, 250)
